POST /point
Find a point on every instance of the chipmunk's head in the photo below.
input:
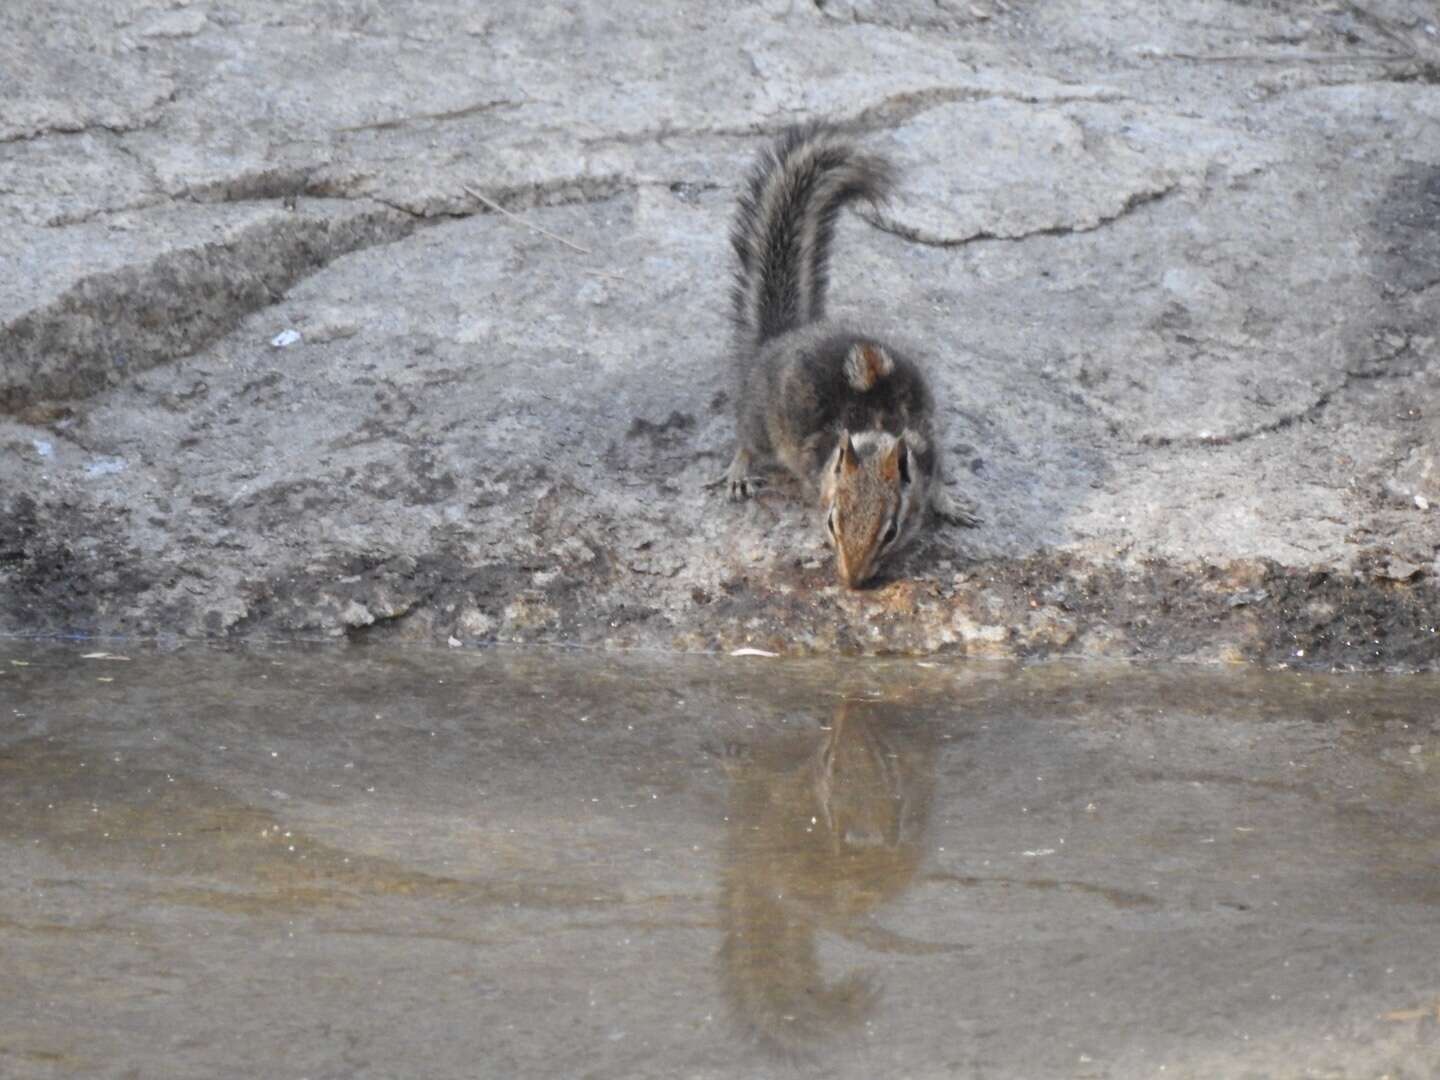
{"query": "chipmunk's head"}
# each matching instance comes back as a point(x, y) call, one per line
point(872, 501)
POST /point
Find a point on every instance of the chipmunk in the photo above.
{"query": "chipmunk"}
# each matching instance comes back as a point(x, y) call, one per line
point(847, 414)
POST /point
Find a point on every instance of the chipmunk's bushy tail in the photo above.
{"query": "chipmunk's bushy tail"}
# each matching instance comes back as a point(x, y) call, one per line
point(785, 223)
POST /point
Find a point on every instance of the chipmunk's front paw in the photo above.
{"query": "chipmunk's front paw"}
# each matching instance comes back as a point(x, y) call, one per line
point(742, 487)
point(954, 511)
point(737, 479)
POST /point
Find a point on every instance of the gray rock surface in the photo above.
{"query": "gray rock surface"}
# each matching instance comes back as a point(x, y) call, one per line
point(1174, 266)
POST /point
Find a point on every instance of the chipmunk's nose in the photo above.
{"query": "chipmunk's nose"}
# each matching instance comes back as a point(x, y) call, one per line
point(848, 577)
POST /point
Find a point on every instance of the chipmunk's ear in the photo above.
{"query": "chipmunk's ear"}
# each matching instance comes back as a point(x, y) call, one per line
point(845, 460)
point(866, 364)
point(896, 466)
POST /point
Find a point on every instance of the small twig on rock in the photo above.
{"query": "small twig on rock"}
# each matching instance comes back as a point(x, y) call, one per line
point(493, 205)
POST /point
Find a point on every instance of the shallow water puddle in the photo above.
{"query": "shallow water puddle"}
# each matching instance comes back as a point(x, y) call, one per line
point(358, 862)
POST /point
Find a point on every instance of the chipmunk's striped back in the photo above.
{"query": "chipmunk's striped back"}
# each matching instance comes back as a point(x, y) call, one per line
point(785, 222)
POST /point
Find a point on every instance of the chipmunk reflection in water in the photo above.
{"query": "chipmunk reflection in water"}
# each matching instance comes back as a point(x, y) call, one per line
point(821, 834)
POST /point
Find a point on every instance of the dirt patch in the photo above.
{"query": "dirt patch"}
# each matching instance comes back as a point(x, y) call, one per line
point(64, 572)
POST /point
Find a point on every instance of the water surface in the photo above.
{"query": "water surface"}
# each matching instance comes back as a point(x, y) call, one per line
point(297, 862)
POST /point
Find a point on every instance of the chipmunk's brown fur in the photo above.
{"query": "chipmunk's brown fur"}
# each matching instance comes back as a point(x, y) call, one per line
point(848, 415)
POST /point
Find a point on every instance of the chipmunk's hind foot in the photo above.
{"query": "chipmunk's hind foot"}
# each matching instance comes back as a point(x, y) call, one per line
point(953, 511)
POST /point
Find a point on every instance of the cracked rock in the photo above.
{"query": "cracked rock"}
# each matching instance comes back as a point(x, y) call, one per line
point(110, 299)
point(1175, 286)
point(1003, 169)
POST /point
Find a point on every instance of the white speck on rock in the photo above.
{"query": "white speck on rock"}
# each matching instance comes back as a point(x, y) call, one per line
point(356, 614)
point(105, 466)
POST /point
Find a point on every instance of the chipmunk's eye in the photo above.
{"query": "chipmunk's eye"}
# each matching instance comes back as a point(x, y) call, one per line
point(892, 532)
